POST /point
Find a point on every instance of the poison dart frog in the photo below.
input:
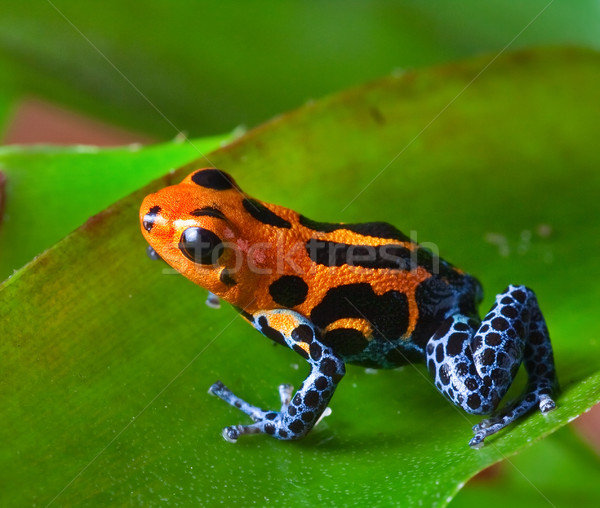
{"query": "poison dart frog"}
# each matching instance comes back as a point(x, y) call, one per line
point(340, 294)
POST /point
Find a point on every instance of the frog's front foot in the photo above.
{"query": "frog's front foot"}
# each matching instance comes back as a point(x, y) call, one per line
point(300, 413)
point(265, 421)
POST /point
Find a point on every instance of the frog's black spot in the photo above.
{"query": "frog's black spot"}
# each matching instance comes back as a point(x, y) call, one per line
point(439, 353)
point(149, 218)
point(269, 332)
point(315, 351)
point(345, 341)
point(499, 324)
point(326, 253)
point(455, 343)
point(303, 333)
point(536, 338)
point(213, 178)
point(289, 290)
point(519, 295)
point(311, 399)
point(444, 377)
point(493, 339)
point(509, 312)
point(283, 433)
point(308, 416)
point(271, 416)
point(488, 357)
point(292, 410)
point(208, 211)
point(300, 351)
point(269, 428)
point(387, 313)
point(471, 383)
point(321, 383)
point(262, 214)
point(507, 300)
point(328, 367)
point(297, 426)
point(473, 401)
point(461, 327)
point(541, 369)
point(226, 278)
point(297, 400)
point(381, 230)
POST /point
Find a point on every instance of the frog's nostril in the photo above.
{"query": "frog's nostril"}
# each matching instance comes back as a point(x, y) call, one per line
point(149, 218)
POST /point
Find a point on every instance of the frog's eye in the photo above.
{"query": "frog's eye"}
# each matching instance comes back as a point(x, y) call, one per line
point(200, 245)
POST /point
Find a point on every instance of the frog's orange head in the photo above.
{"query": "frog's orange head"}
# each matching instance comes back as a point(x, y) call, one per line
point(187, 226)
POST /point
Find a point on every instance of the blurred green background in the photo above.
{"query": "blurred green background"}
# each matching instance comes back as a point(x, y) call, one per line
point(158, 68)
point(206, 67)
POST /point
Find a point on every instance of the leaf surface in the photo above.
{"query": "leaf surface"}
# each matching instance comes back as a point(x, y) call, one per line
point(107, 356)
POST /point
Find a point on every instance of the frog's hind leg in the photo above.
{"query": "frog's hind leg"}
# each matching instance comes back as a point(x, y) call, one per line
point(475, 364)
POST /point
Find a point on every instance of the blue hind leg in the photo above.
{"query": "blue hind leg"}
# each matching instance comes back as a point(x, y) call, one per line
point(474, 364)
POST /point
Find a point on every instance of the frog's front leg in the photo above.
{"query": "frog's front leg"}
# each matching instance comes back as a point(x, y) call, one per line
point(474, 364)
point(299, 413)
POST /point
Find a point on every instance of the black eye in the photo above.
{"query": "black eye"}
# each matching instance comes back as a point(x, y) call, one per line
point(200, 245)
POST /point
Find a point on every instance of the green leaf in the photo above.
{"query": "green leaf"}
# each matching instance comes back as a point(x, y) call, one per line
point(107, 356)
point(558, 471)
point(37, 180)
point(207, 67)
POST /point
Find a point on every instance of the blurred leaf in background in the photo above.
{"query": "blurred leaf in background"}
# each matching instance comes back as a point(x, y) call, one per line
point(206, 67)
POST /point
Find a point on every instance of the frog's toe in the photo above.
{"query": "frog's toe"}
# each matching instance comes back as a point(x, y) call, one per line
point(231, 434)
point(546, 404)
point(217, 389)
point(477, 441)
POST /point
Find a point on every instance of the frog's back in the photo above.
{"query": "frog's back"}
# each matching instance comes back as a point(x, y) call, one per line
point(376, 295)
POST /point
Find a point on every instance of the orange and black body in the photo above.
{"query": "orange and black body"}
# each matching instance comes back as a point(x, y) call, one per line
point(340, 293)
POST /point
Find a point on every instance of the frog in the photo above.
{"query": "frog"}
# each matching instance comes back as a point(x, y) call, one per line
point(343, 294)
